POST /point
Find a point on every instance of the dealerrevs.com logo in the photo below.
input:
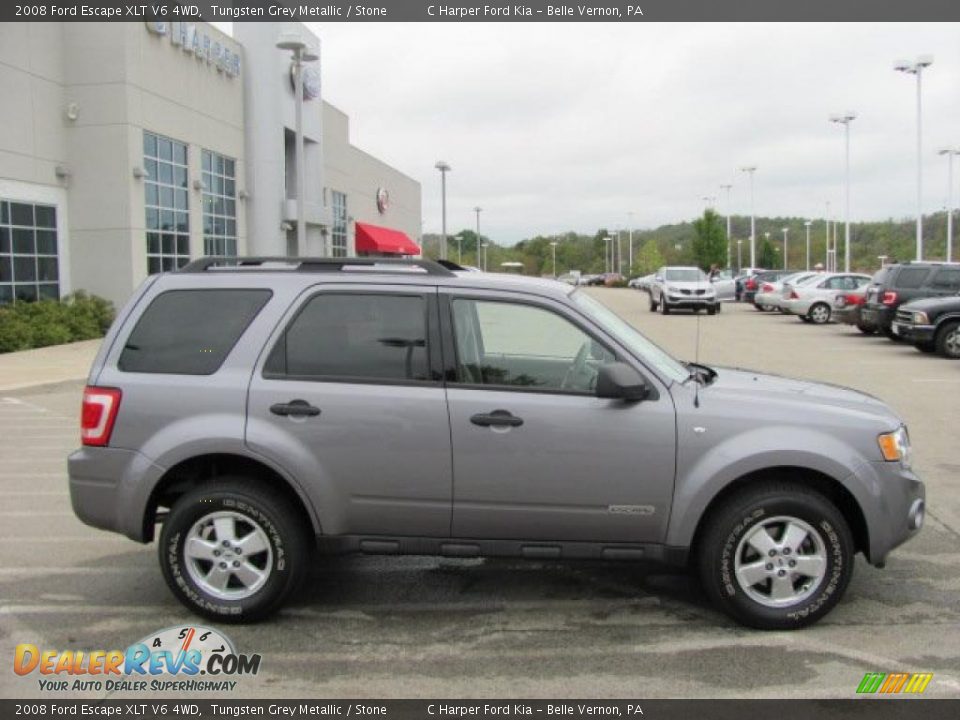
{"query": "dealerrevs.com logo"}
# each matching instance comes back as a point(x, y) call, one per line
point(177, 659)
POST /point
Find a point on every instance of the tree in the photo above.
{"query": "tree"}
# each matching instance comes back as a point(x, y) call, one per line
point(648, 260)
point(766, 255)
point(709, 243)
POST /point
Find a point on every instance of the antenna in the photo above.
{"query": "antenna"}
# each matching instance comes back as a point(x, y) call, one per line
point(696, 360)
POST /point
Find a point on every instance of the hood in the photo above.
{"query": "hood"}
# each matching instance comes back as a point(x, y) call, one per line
point(799, 399)
point(932, 303)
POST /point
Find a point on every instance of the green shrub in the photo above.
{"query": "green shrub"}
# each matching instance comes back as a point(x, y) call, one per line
point(80, 316)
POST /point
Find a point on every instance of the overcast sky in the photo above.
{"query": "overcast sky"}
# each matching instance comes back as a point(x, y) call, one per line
point(565, 126)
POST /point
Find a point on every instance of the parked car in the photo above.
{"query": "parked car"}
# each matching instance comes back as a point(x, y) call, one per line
point(614, 279)
point(931, 324)
point(754, 284)
point(258, 414)
point(846, 308)
point(748, 284)
point(901, 283)
point(812, 299)
point(641, 283)
point(769, 294)
point(686, 288)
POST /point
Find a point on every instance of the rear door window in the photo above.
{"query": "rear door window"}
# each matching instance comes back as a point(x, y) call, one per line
point(190, 332)
point(948, 279)
point(355, 337)
point(911, 278)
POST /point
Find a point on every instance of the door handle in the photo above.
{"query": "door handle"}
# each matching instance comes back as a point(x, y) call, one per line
point(497, 418)
point(295, 408)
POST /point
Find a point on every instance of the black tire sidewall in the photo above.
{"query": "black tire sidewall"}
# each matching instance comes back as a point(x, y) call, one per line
point(717, 561)
point(941, 341)
point(287, 543)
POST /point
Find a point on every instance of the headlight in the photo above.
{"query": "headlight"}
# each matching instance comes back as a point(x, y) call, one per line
point(920, 318)
point(895, 446)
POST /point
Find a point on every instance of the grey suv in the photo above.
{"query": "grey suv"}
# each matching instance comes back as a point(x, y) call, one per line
point(261, 411)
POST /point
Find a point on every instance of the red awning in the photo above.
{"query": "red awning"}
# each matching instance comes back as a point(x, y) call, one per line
point(376, 239)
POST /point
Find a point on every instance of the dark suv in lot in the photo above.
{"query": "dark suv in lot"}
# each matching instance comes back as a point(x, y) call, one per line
point(901, 283)
point(932, 324)
point(262, 411)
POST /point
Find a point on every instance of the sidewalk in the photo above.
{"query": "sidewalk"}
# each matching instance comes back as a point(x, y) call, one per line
point(43, 366)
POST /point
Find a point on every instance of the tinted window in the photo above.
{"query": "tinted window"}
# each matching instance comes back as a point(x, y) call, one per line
point(912, 277)
point(190, 332)
point(502, 343)
point(947, 279)
point(882, 275)
point(349, 335)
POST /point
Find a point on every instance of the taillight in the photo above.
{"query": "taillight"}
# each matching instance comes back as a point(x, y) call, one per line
point(855, 299)
point(889, 298)
point(751, 284)
point(793, 295)
point(767, 288)
point(100, 406)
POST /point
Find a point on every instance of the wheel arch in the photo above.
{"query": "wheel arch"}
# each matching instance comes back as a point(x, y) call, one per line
point(826, 485)
point(199, 469)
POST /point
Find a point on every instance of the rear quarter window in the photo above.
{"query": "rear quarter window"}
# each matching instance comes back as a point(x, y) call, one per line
point(190, 332)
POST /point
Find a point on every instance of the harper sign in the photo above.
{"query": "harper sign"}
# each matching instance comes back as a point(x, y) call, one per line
point(199, 43)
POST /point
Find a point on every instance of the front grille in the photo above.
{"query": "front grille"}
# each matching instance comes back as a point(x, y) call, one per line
point(905, 316)
point(685, 292)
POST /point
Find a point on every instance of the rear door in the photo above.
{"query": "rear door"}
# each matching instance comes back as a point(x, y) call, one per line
point(946, 281)
point(348, 397)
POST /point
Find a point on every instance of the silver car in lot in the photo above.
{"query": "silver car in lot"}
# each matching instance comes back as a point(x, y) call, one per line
point(686, 288)
point(255, 413)
point(812, 300)
point(769, 295)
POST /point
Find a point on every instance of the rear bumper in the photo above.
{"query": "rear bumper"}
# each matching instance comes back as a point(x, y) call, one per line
point(849, 315)
point(771, 299)
point(108, 489)
point(877, 315)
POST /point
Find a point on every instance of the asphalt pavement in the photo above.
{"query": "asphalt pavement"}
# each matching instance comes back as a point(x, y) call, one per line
point(419, 627)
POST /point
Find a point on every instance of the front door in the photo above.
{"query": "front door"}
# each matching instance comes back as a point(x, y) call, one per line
point(536, 454)
point(350, 401)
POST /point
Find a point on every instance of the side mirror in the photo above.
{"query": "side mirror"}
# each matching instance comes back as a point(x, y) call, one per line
point(619, 381)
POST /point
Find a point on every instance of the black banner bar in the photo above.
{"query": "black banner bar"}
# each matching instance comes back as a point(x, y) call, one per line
point(440, 11)
point(865, 709)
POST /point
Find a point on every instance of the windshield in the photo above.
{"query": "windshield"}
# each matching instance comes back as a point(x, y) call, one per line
point(685, 275)
point(629, 336)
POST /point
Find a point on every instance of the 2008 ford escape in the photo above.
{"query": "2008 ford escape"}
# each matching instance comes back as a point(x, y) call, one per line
point(262, 411)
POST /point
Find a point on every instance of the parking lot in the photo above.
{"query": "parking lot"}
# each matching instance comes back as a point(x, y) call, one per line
point(420, 627)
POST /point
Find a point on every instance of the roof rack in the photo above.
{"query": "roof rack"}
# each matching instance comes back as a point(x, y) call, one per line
point(315, 264)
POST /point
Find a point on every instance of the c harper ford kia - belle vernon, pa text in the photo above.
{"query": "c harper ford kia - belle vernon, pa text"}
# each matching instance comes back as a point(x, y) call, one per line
point(261, 412)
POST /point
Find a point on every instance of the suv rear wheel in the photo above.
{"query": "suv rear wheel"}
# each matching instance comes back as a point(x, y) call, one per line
point(776, 556)
point(233, 552)
point(948, 340)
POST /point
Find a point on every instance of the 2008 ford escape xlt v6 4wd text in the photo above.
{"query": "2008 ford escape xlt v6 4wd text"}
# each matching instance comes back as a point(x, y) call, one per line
point(262, 411)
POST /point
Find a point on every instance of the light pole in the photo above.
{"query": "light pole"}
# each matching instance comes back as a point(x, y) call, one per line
point(444, 168)
point(751, 169)
point(766, 236)
point(827, 241)
point(553, 247)
point(845, 119)
point(739, 256)
point(728, 187)
point(298, 48)
point(477, 210)
point(785, 254)
point(630, 242)
point(808, 223)
point(484, 246)
point(916, 68)
point(950, 152)
point(607, 257)
point(460, 249)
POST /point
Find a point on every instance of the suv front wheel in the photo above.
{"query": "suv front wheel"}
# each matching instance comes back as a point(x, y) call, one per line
point(776, 556)
point(233, 552)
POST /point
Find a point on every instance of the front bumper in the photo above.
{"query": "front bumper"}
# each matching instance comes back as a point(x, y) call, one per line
point(895, 513)
point(689, 301)
point(109, 489)
point(913, 333)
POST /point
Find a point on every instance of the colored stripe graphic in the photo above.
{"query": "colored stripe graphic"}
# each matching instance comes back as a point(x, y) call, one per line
point(891, 683)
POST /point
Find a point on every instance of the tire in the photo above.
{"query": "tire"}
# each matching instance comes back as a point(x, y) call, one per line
point(819, 313)
point(804, 318)
point(759, 516)
point(867, 329)
point(926, 346)
point(664, 310)
point(260, 519)
point(712, 310)
point(653, 305)
point(948, 340)
point(719, 306)
point(758, 308)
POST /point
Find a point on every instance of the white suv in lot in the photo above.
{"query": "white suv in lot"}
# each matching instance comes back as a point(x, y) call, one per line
point(812, 300)
point(687, 288)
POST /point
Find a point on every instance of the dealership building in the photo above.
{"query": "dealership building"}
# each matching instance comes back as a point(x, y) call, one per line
point(129, 148)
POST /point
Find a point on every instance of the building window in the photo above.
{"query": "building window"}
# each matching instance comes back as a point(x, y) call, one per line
point(29, 269)
point(219, 205)
point(338, 246)
point(168, 218)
